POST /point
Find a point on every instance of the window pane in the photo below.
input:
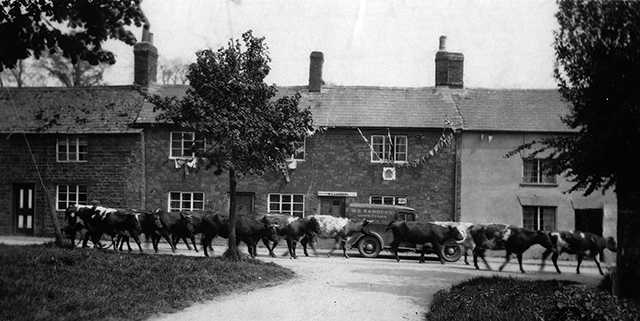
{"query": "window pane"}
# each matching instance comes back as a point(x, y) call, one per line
point(530, 174)
point(377, 143)
point(548, 221)
point(298, 198)
point(401, 148)
point(529, 217)
point(376, 200)
point(286, 198)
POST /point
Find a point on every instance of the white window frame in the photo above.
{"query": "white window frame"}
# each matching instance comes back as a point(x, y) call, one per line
point(382, 147)
point(538, 217)
point(183, 140)
point(299, 151)
point(186, 201)
point(286, 204)
point(69, 194)
point(387, 199)
point(79, 154)
point(535, 176)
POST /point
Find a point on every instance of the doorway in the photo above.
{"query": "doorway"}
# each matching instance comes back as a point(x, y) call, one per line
point(589, 220)
point(334, 206)
point(24, 208)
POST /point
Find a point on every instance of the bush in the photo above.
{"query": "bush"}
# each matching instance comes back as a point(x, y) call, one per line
point(497, 298)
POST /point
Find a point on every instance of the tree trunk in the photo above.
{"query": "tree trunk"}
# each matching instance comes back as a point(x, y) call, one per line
point(233, 247)
point(627, 282)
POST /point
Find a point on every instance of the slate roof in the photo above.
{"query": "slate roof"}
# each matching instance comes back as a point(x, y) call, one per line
point(524, 110)
point(96, 110)
point(346, 106)
point(121, 109)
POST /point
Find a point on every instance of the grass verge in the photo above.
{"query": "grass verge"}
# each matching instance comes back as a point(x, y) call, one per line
point(44, 282)
point(498, 298)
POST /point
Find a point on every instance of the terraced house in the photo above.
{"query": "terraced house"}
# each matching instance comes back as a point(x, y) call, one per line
point(437, 149)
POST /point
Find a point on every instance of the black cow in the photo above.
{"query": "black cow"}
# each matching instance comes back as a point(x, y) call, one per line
point(248, 230)
point(300, 231)
point(176, 224)
point(514, 239)
point(422, 233)
point(151, 225)
point(579, 243)
point(281, 221)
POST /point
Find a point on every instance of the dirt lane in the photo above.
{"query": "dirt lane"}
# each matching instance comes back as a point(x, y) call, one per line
point(367, 289)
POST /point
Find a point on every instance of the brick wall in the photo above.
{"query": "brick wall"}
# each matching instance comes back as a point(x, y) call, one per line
point(113, 174)
point(336, 160)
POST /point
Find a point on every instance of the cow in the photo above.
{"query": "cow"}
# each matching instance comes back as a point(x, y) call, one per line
point(300, 230)
point(102, 220)
point(150, 224)
point(175, 223)
point(197, 227)
point(579, 243)
point(75, 224)
point(514, 239)
point(422, 233)
point(467, 243)
point(338, 229)
point(281, 221)
point(248, 230)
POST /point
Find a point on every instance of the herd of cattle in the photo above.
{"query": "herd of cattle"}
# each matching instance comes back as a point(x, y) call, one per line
point(121, 225)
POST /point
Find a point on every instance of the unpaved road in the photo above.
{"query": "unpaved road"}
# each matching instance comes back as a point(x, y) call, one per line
point(357, 289)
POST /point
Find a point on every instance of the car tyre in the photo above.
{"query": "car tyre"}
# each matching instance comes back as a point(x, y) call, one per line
point(369, 246)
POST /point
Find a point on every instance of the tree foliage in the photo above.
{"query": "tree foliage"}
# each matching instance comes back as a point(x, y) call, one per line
point(78, 28)
point(597, 52)
point(229, 105)
point(597, 49)
point(24, 74)
point(174, 72)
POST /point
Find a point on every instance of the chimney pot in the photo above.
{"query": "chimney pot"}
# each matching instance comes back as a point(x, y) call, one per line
point(443, 43)
point(315, 71)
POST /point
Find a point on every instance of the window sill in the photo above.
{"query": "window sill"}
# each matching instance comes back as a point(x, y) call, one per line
point(539, 184)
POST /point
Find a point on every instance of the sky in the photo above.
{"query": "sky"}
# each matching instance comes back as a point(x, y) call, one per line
point(506, 44)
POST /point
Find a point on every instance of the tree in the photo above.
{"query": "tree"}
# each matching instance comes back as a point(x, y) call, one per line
point(597, 52)
point(229, 105)
point(24, 74)
point(31, 27)
point(174, 72)
point(79, 74)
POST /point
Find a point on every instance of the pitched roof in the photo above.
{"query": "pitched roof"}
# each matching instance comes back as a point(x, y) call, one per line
point(525, 110)
point(345, 106)
point(86, 110)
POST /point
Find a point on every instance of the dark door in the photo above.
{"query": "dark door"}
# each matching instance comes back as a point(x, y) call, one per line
point(23, 208)
point(334, 206)
point(589, 220)
point(244, 203)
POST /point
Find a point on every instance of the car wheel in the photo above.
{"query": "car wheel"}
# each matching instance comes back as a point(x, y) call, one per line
point(451, 251)
point(369, 246)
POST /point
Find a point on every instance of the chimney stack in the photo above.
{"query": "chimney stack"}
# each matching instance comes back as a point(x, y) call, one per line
point(449, 67)
point(145, 59)
point(315, 71)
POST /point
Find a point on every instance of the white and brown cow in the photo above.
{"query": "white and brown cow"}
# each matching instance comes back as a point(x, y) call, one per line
point(579, 243)
point(339, 229)
point(467, 242)
point(514, 239)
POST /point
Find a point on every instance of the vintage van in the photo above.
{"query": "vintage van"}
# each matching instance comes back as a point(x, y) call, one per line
point(380, 239)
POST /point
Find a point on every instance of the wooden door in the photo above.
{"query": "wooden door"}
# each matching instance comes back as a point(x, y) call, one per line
point(23, 208)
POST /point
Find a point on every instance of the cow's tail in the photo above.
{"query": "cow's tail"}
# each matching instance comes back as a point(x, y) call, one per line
point(390, 226)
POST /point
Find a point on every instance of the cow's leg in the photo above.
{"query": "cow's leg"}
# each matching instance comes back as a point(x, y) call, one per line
point(519, 256)
point(436, 247)
point(554, 258)
point(166, 237)
point(193, 240)
point(580, 257)
point(466, 249)
point(544, 258)
point(343, 242)
point(206, 240)
point(595, 258)
point(136, 238)
point(507, 257)
point(291, 244)
point(269, 248)
point(394, 249)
